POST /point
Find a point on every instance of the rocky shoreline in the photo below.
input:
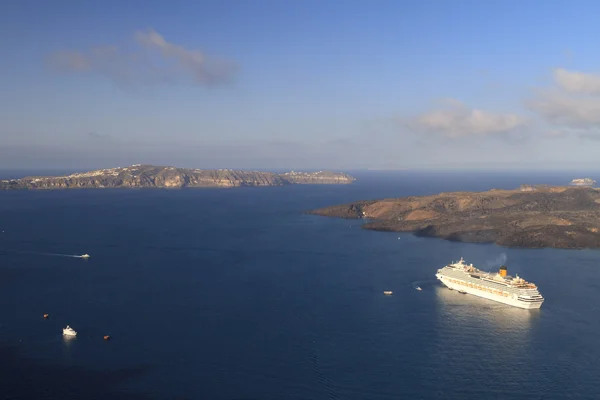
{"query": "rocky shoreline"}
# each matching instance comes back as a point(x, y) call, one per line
point(150, 176)
point(531, 216)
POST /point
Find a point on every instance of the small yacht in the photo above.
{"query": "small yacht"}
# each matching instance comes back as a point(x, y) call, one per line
point(387, 292)
point(418, 288)
point(85, 256)
point(68, 331)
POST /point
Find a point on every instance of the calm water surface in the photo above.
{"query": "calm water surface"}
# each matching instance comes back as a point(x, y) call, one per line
point(236, 294)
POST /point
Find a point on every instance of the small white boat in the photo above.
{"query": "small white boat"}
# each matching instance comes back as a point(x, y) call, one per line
point(68, 331)
point(387, 292)
point(84, 256)
point(418, 288)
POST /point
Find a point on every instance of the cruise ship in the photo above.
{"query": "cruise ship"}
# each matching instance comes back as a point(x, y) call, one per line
point(498, 286)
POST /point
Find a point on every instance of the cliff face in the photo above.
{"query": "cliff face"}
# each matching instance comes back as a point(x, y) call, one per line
point(321, 177)
point(533, 216)
point(583, 182)
point(149, 176)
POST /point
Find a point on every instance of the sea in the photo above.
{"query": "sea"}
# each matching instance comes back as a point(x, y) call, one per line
point(238, 294)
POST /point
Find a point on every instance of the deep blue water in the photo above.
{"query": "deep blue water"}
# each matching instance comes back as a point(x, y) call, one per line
point(236, 294)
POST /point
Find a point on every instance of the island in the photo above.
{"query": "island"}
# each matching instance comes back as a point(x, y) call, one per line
point(150, 176)
point(583, 182)
point(530, 216)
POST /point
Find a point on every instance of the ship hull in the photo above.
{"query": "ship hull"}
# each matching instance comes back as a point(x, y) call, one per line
point(510, 300)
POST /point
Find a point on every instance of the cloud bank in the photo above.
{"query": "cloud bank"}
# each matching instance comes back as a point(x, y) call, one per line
point(153, 61)
point(457, 120)
point(559, 108)
point(577, 82)
point(573, 103)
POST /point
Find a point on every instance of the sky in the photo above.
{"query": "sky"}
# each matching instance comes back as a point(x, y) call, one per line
point(300, 85)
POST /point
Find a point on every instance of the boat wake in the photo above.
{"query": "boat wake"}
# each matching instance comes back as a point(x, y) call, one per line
point(420, 285)
point(39, 253)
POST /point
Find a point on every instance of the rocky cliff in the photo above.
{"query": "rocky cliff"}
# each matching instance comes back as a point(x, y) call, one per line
point(583, 182)
point(149, 176)
point(321, 177)
point(532, 216)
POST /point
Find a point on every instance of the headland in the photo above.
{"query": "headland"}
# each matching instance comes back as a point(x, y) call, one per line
point(150, 176)
point(531, 216)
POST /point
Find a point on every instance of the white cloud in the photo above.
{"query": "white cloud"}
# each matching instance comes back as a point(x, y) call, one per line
point(577, 82)
point(556, 133)
point(570, 133)
point(155, 61)
point(572, 106)
point(458, 120)
point(563, 109)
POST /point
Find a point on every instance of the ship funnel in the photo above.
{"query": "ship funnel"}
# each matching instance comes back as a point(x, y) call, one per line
point(502, 271)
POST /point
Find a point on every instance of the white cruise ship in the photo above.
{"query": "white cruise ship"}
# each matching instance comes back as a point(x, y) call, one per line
point(498, 286)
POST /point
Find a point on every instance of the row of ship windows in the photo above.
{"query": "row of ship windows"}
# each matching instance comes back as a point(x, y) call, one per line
point(503, 288)
point(479, 287)
point(506, 288)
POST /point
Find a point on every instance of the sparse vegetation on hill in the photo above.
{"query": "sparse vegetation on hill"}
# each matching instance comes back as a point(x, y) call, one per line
point(532, 216)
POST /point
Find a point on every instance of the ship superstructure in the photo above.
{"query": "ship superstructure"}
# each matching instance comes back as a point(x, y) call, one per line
point(498, 286)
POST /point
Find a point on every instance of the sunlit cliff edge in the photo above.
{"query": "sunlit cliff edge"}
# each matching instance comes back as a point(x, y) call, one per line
point(150, 176)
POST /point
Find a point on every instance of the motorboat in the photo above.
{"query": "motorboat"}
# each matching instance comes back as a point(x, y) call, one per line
point(84, 256)
point(387, 292)
point(418, 288)
point(68, 331)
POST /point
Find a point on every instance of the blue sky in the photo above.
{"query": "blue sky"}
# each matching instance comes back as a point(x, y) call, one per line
point(311, 84)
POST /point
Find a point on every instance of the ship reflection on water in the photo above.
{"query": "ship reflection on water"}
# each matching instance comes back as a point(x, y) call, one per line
point(486, 339)
point(68, 340)
point(489, 316)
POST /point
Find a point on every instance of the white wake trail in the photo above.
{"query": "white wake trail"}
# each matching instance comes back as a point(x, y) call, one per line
point(43, 253)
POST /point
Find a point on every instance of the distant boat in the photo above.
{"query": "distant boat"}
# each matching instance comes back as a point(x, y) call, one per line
point(418, 288)
point(84, 256)
point(68, 331)
point(387, 292)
